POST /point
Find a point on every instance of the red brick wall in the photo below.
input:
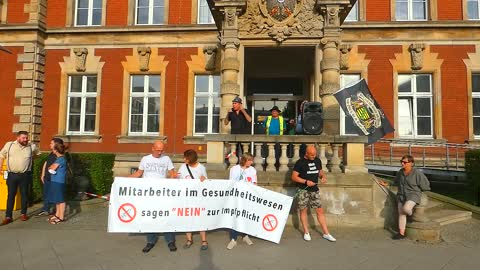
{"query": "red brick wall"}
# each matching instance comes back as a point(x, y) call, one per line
point(176, 95)
point(454, 91)
point(450, 9)
point(15, 11)
point(117, 13)
point(110, 114)
point(380, 76)
point(378, 10)
point(180, 12)
point(51, 97)
point(56, 13)
point(7, 92)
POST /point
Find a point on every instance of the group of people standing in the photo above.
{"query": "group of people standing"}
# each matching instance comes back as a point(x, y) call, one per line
point(306, 173)
point(19, 156)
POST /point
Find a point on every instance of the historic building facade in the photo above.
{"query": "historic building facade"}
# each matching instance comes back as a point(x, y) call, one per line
point(113, 76)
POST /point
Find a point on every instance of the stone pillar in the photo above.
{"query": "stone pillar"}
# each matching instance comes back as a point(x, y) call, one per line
point(330, 68)
point(230, 62)
point(283, 158)
point(30, 94)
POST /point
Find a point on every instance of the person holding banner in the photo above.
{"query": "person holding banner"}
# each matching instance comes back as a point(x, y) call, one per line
point(192, 169)
point(305, 173)
point(157, 166)
point(244, 171)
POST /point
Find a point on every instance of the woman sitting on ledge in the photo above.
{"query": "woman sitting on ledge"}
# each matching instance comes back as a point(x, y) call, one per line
point(411, 182)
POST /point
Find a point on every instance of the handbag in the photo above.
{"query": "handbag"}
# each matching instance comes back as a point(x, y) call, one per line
point(190, 172)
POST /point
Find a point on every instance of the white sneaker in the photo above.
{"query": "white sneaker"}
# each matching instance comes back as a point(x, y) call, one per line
point(307, 237)
point(329, 237)
point(231, 244)
point(247, 240)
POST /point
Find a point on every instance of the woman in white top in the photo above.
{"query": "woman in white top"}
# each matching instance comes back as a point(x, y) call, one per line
point(192, 169)
point(242, 172)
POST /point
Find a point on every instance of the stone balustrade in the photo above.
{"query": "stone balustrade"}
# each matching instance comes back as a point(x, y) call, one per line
point(340, 153)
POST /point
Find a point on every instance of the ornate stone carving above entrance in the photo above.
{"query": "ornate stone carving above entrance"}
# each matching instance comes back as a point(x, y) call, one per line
point(281, 19)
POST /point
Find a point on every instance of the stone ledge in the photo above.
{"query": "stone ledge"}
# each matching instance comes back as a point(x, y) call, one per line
point(194, 139)
point(80, 138)
point(141, 139)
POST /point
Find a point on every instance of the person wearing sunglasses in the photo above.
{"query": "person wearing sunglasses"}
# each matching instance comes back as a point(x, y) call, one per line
point(411, 183)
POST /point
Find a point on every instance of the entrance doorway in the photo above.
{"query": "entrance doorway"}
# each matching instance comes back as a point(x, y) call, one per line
point(281, 77)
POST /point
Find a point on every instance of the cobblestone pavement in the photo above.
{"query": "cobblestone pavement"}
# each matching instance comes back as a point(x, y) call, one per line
point(83, 243)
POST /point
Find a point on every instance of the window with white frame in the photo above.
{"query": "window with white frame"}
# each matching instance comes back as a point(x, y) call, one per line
point(150, 12)
point(353, 14)
point(411, 10)
point(88, 12)
point(144, 105)
point(473, 7)
point(82, 104)
point(204, 14)
point(347, 127)
point(415, 108)
point(476, 104)
point(206, 115)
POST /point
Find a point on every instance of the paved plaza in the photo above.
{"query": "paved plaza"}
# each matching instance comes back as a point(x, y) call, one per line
point(83, 243)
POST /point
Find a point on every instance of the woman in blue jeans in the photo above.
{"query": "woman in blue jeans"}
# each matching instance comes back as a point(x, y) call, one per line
point(246, 173)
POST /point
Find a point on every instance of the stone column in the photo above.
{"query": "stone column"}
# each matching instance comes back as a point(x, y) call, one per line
point(230, 62)
point(330, 68)
point(30, 94)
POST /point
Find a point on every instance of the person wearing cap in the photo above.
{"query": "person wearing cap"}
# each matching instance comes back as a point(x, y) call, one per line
point(274, 124)
point(239, 117)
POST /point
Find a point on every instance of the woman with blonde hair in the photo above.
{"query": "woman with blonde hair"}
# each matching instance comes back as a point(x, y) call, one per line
point(245, 172)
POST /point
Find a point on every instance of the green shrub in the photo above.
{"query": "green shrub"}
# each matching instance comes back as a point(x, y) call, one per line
point(472, 167)
point(98, 167)
point(36, 173)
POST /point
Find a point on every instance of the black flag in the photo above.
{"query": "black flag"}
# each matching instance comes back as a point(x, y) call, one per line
point(368, 118)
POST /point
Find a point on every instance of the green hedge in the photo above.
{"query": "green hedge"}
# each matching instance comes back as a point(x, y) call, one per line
point(98, 167)
point(472, 167)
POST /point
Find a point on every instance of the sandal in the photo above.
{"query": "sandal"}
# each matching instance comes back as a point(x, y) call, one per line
point(56, 221)
point(204, 245)
point(52, 217)
point(188, 244)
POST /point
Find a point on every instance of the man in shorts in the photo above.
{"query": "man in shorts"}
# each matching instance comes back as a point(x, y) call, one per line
point(305, 173)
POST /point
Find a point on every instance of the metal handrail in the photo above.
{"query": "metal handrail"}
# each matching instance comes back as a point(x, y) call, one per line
point(424, 144)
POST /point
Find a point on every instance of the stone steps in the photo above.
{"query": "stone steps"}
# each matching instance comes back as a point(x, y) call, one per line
point(448, 216)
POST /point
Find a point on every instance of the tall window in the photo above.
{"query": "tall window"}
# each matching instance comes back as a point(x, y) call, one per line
point(353, 14)
point(150, 12)
point(82, 104)
point(88, 12)
point(204, 14)
point(207, 104)
point(347, 127)
point(411, 10)
point(144, 105)
point(476, 104)
point(473, 7)
point(415, 118)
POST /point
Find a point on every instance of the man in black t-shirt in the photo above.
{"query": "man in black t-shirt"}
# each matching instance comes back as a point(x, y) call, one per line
point(239, 117)
point(305, 173)
point(46, 177)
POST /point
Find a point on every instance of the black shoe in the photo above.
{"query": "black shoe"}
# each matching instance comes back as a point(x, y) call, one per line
point(172, 246)
point(398, 236)
point(148, 247)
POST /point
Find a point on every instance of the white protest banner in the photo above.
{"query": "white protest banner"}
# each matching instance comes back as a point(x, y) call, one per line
point(172, 205)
